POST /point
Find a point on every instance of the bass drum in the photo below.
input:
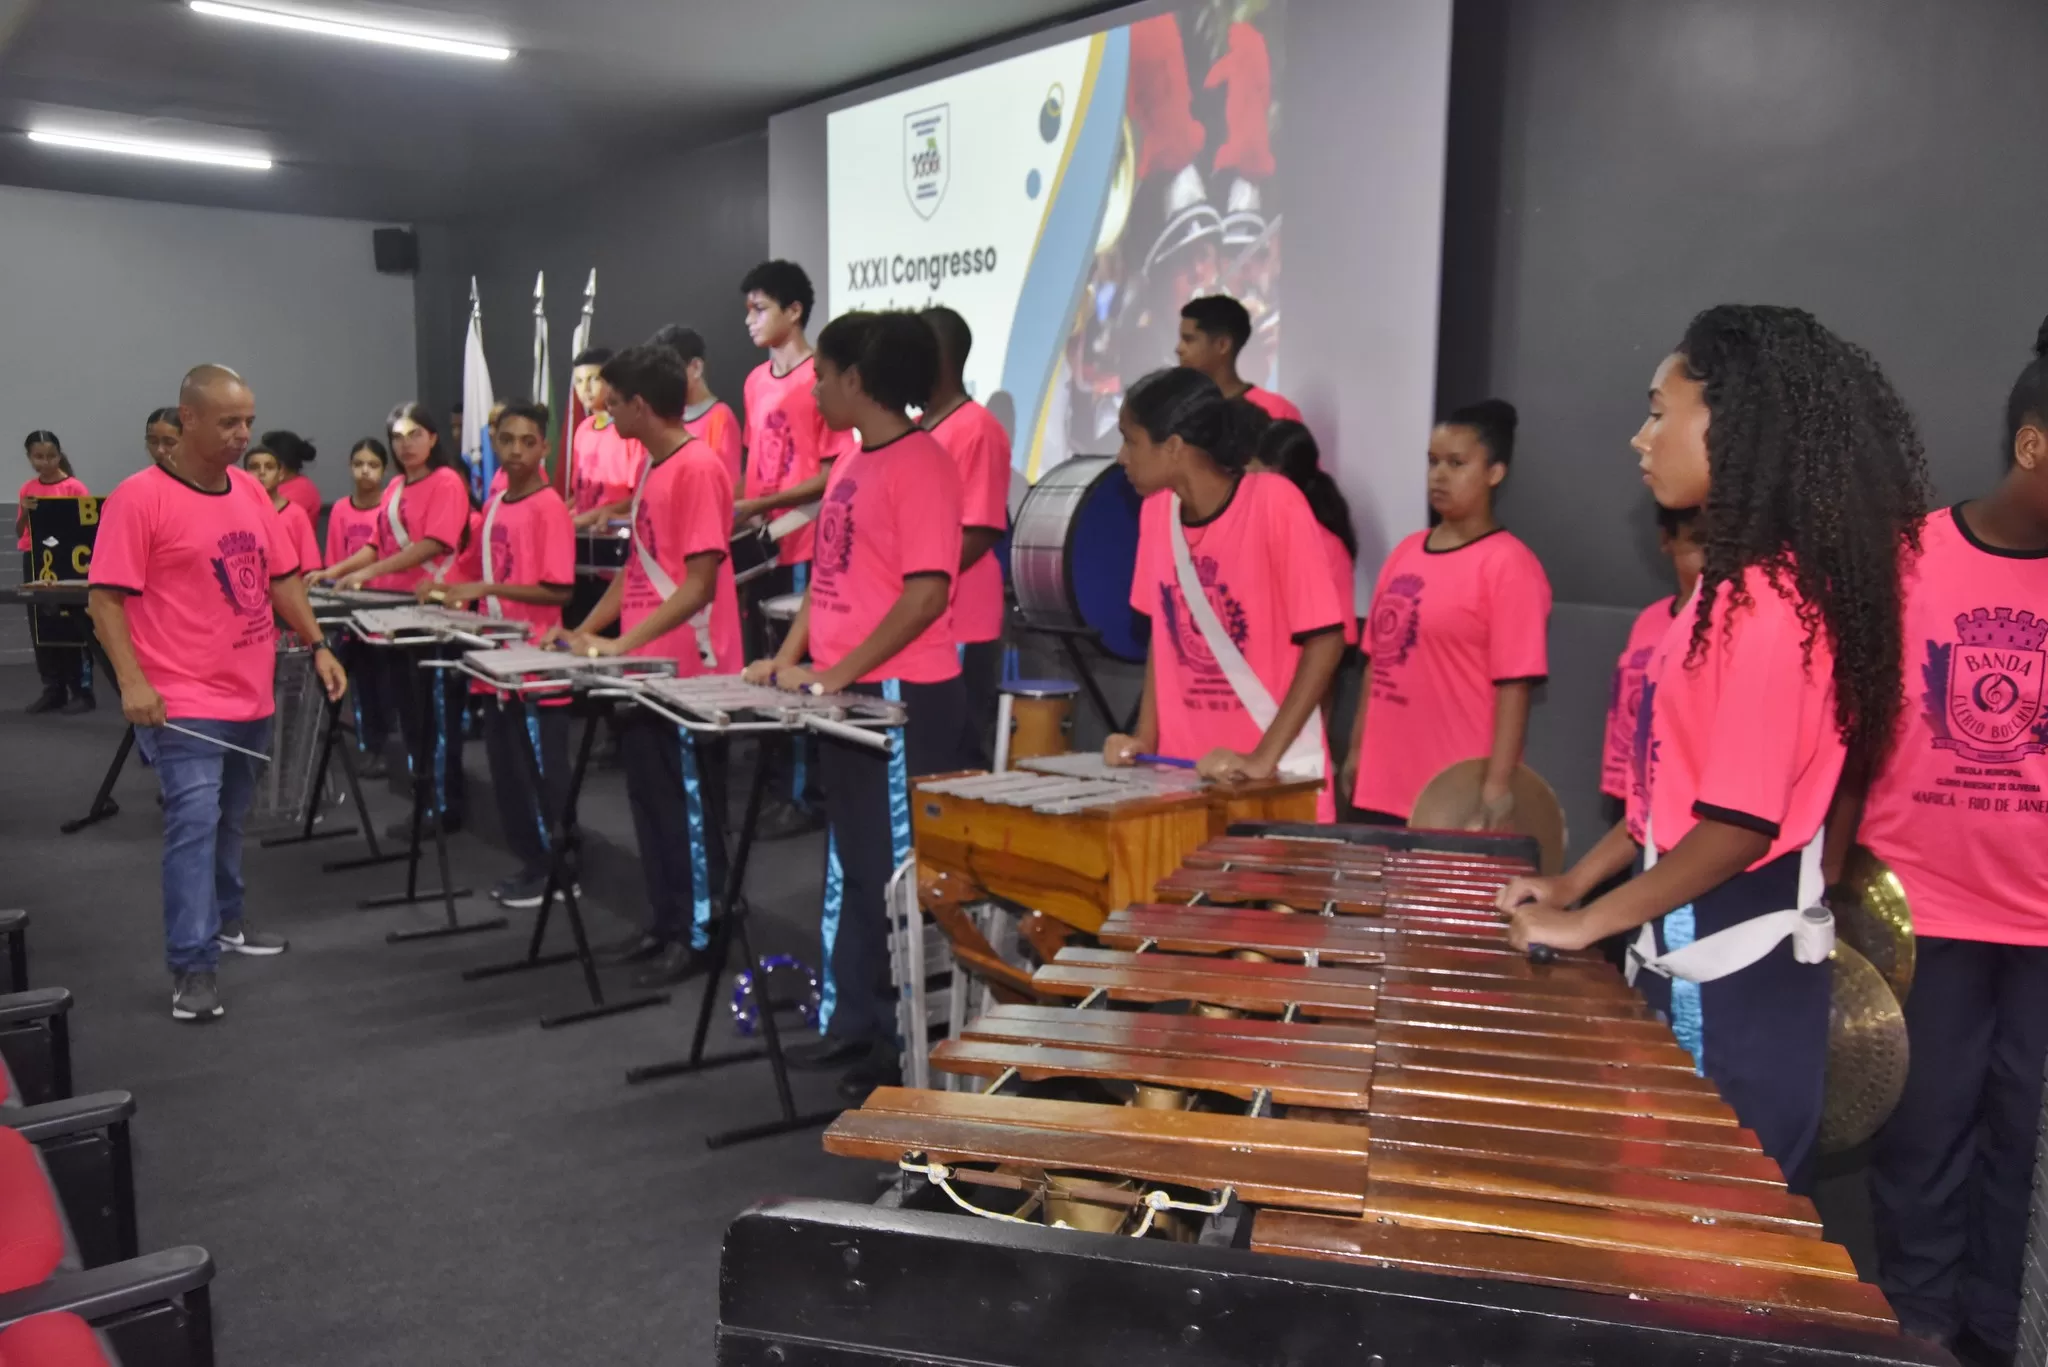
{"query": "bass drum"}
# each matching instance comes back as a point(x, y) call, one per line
point(1073, 550)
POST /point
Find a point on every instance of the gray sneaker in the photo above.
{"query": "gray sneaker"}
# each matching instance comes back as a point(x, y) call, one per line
point(194, 997)
point(239, 937)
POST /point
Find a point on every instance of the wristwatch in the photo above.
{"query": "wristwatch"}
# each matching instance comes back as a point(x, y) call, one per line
point(322, 644)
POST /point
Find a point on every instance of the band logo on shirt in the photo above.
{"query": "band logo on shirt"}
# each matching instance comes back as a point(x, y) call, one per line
point(355, 538)
point(1984, 690)
point(834, 552)
point(1643, 752)
point(643, 532)
point(243, 573)
point(1395, 615)
point(778, 456)
point(502, 561)
point(1206, 684)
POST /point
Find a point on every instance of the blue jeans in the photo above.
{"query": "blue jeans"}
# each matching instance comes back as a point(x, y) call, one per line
point(207, 794)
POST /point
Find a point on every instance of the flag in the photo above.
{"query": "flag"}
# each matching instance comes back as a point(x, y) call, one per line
point(477, 401)
point(543, 381)
point(573, 405)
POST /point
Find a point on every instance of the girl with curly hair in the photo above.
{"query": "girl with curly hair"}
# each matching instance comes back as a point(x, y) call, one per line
point(1811, 484)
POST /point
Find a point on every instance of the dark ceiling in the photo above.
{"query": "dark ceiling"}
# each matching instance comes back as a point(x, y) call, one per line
point(373, 132)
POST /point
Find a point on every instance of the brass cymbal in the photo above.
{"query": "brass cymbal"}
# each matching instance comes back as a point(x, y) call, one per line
point(1871, 914)
point(1866, 1052)
point(1450, 801)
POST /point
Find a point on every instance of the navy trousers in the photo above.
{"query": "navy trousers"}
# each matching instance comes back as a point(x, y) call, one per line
point(1761, 1034)
point(1951, 1172)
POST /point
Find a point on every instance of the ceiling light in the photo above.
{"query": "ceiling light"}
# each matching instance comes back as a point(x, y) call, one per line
point(163, 151)
point(344, 28)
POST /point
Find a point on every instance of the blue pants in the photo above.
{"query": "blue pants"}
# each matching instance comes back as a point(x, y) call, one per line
point(675, 784)
point(207, 794)
point(1761, 1035)
point(1951, 1174)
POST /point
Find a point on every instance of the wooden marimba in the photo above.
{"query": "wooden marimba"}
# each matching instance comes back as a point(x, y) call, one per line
point(1068, 836)
point(1329, 1051)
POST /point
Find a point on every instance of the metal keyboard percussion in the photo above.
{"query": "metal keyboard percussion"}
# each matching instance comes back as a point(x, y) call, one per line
point(1396, 1088)
point(524, 669)
point(423, 624)
point(726, 705)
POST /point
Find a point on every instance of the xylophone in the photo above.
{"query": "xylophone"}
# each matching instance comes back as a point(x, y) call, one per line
point(1327, 1050)
point(1076, 839)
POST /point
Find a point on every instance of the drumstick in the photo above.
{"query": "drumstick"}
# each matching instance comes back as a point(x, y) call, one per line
point(215, 740)
point(1170, 761)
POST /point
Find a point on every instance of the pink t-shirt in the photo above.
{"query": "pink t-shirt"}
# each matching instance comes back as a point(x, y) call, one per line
point(1275, 406)
point(436, 507)
point(500, 482)
point(68, 487)
point(304, 494)
point(1625, 698)
point(1960, 809)
point(198, 568)
point(1445, 627)
point(532, 541)
point(606, 465)
point(1344, 574)
point(981, 453)
point(718, 429)
point(298, 529)
point(1266, 576)
point(890, 512)
point(350, 528)
point(1747, 735)
point(685, 510)
point(787, 442)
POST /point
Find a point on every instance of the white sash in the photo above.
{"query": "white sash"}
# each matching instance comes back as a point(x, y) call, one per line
point(664, 586)
point(491, 604)
point(1810, 926)
point(1304, 758)
point(439, 573)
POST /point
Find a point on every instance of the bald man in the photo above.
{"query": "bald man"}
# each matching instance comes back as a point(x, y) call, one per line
point(190, 570)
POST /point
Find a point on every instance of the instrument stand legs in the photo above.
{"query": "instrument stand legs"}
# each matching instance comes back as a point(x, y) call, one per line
point(377, 855)
point(103, 804)
point(565, 848)
point(733, 926)
point(422, 802)
point(306, 833)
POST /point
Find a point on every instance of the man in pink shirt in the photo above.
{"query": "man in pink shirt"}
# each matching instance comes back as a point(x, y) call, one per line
point(674, 600)
point(604, 464)
point(1214, 331)
point(190, 565)
point(981, 452)
point(709, 418)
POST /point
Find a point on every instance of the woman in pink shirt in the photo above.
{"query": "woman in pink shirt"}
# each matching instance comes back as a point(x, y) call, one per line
point(66, 670)
point(1957, 810)
point(1809, 477)
point(875, 620)
point(351, 526)
point(1456, 638)
point(294, 453)
point(1287, 448)
point(1678, 538)
point(422, 525)
point(262, 462)
point(1247, 629)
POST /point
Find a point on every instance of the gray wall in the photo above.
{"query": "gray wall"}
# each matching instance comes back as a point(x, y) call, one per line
point(1616, 166)
point(105, 303)
point(670, 246)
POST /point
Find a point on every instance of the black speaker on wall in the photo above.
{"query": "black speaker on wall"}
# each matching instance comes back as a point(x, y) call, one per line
point(398, 250)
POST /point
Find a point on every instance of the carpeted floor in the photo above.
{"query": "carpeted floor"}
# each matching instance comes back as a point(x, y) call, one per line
point(390, 1165)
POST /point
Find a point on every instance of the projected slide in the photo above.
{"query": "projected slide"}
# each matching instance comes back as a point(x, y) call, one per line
point(1067, 202)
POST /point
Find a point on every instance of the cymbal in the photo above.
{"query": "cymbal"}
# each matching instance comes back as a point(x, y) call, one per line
point(1871, 913)
point(1450, 801)
point(1867, 1052)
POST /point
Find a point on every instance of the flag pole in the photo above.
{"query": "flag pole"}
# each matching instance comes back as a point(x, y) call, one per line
point(579, 342)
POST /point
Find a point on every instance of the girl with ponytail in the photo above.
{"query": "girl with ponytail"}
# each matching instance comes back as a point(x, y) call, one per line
point(1247, 629)
point(1973, 861)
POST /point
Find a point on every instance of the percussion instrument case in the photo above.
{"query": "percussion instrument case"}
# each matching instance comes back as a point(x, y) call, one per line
point(829, 1284)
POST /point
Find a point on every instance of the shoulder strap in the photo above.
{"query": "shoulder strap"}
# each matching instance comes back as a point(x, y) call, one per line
point(491, 603)
point(1304, 758)
point(664, 586)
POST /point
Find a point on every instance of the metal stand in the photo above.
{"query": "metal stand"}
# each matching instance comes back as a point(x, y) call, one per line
point(422, 800)
point(733, 927)
point(565, 850)
point(348, 768)
point(103, 804)
point(1070, 641)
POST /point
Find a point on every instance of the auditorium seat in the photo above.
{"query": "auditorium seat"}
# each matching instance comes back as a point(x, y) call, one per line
point(58, 1339)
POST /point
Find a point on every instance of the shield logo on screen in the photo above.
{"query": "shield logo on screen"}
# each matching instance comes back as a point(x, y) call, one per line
point(927, 157)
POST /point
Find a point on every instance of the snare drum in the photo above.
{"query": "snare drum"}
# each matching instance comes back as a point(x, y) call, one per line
point(1034, 718)
point(1073, 551)
point(779, 612)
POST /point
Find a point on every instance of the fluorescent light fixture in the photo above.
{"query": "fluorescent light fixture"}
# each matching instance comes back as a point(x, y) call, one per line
point(162, 151)
point(344, 28)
